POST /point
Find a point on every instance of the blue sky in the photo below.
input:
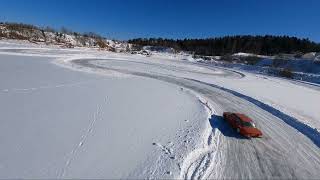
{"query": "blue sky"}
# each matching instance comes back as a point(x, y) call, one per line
point(125, 19)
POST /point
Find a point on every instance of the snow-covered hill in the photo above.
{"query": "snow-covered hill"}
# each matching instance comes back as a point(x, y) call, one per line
point(66, 40)
point(306, 67)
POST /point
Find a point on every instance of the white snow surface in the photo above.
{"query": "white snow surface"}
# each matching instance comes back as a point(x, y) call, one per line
point(250, 54)
point(84, 113)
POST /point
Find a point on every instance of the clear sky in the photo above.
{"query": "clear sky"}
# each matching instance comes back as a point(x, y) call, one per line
point(125, 19)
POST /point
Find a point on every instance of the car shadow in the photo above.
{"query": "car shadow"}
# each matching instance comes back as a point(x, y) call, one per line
point(223, 126)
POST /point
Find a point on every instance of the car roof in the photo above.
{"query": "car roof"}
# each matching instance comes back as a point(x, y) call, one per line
point(243, 117)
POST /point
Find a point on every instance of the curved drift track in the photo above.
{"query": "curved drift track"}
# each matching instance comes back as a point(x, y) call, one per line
point(283, 152)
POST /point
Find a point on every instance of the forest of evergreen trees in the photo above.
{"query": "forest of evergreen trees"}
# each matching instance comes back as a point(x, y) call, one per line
point(264, 45)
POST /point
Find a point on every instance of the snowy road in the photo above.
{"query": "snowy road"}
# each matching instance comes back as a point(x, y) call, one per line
point(181, 141)
point(284, 152)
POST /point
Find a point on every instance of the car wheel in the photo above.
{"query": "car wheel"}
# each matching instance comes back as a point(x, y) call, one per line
point(238, 130)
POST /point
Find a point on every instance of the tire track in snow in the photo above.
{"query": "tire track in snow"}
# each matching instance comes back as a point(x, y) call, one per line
point(198, 163)
point(175, 68)
point(97, 115)
point(216, 157)
point(303, 128)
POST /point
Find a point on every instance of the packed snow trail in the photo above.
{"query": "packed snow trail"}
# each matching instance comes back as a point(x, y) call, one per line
point(283, 152)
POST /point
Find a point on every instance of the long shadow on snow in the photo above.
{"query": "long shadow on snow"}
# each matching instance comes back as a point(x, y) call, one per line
point(219, 123)
point(308, 131)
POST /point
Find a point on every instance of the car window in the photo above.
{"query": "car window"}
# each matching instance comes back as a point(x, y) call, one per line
point(248, 124)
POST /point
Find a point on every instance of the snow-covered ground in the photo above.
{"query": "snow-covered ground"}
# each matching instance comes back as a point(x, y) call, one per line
point(84, 113)
point(57, 123)
point(304, 69)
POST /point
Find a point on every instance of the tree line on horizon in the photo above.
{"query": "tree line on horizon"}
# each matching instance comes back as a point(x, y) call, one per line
point(263, 45)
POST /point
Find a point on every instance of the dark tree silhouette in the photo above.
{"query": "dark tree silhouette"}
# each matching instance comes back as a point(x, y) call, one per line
point(264, 45)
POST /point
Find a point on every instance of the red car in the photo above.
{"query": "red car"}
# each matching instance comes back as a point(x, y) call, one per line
point(243, 124)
